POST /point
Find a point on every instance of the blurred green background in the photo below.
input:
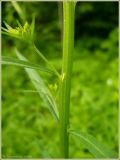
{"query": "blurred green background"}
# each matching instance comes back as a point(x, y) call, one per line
point(28, 129)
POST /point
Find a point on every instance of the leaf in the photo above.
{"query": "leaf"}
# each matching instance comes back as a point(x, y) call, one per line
point(31, 91)
point(40, 86)
point(4, 29)
point(23, 63)
point(92, 144)
point(18, 9)
point(7, 25)
point(28, 91)
point(9, 34)
point(20, 26)
point(33, 25)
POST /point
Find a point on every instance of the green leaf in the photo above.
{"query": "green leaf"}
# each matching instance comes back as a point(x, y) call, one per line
point(92, 144)
point(23, 63)
point(41, 88)
point(20, 26)
point(4, 29)
point(18, 9)
point(28, 91)
point(7, 25)
point(33, 25)
point(5, 32)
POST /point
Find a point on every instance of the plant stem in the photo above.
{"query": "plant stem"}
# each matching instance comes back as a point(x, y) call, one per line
point(65, 85)
point(45, 59)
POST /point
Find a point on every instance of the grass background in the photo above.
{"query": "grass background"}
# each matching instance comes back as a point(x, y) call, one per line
point(28, 129)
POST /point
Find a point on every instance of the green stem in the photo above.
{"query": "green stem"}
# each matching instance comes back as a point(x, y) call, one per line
point(45, 59)
point(68, 47)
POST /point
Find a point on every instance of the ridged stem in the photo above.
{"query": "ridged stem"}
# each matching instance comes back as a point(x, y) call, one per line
point(68, 46)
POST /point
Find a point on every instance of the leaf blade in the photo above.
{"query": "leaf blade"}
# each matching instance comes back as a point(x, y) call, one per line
point(95, 147)
point(22, 63)
point(33, 25)
point(41, 88)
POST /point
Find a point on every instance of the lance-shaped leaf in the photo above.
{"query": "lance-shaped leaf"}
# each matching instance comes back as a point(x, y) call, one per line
point(42, 89)
point(93, 145)
point(33, 25)
point(23, 63)
point(18, 9)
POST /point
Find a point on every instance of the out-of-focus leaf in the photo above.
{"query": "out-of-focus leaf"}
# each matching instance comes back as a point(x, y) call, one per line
point(33, 25)
point(18, 9)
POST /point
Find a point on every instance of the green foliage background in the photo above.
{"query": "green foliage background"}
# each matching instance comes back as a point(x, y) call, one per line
point(28, 129)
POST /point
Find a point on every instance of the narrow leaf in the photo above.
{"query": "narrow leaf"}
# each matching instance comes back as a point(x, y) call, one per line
point(20, 26)
point(29, 91)
point(7, 25)
point(4, 29)
point(33, 25)
point(9, 34)
point(42, 89)
point(18, 9)
point(23, 63)
point(92, 144)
